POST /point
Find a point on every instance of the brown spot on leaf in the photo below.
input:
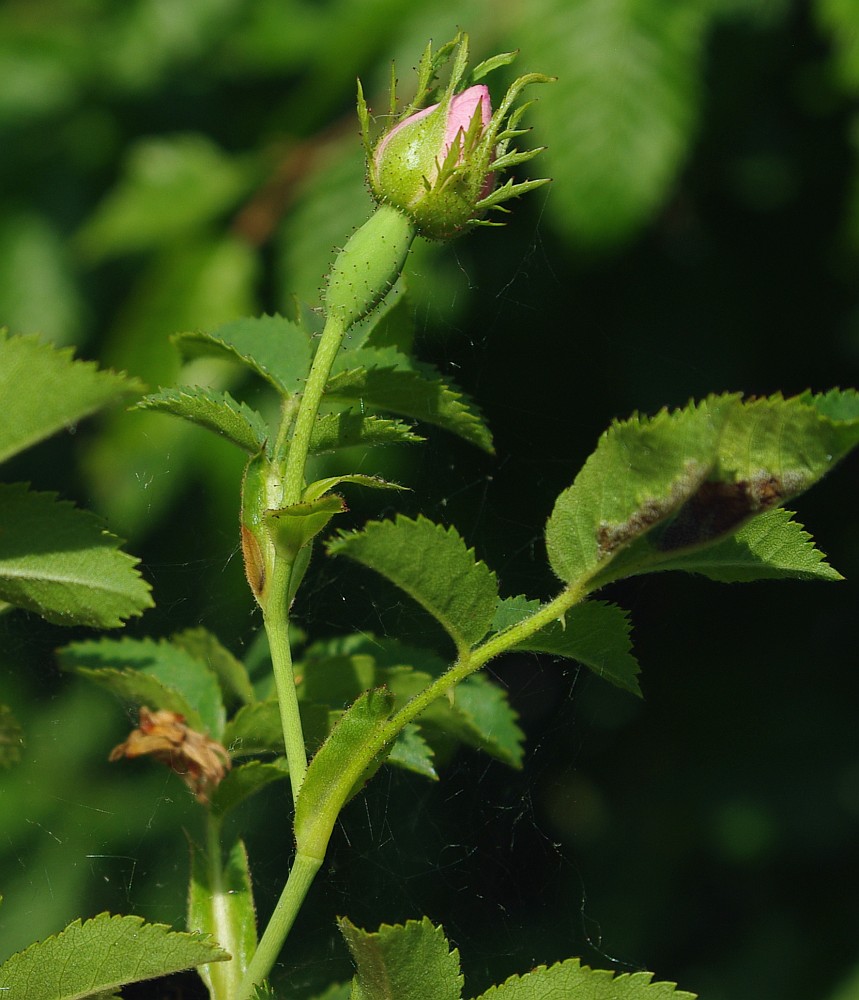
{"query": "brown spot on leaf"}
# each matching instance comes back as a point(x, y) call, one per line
point(200, 761)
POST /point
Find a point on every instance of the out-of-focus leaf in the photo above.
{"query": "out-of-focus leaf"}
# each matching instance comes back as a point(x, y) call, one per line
point(11, 738)
point(405, 962)
point(99, 955)
point(171, 186)
point(140, 461)
point(172, 665)
point(231, 673)
point(621, 116)
point(37, 288)
point(59, 561)
point(43, 390)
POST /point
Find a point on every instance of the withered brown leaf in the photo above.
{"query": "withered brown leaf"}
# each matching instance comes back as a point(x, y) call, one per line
point(200, 761)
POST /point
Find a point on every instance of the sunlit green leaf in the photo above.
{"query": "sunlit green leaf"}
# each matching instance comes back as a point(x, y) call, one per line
point(572, 979)
point(98, 955)
point(44, 390)
point(216, 411)
point(405, 962)
point(345, 430)
point(59, 561)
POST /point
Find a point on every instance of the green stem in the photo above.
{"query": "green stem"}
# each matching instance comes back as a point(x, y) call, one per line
point(296, 459)
point(276, 618)
point(223, 976)
point(301, 876)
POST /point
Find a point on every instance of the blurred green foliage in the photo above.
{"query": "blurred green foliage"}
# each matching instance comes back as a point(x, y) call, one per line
point(172, 166)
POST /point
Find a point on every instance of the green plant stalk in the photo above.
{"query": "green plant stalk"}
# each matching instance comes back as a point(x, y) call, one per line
point(314, 837)
point(364, 272)
point(301, 876)
point(224, 977)
point(276, 621)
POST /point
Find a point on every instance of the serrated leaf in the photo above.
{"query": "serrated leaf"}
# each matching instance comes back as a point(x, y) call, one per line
point(169, 664)
point(596, 634)
point(772, 546)
point(479, 715)
point(433, 565)
point(221, 903)
point(339, 770)
point(216, 411)
point(346, 430)
point(11, 738)
point(274, 347)
point(244, 780)
point(572, 979)
point(689, 478)
point(410, 390)
point(641, 473)
point(44, 390)
point(231, 673)
point(622, 114)
point(406, 962)
point(59, 561)
point(99, 955)
point(319, 488)
point(412, 753)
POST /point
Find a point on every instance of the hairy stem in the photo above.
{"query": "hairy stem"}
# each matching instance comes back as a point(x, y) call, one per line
point(301, 876)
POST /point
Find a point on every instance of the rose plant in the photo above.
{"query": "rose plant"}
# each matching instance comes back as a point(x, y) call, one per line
point(699, 489)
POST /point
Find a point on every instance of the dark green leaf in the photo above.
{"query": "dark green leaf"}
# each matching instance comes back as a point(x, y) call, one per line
point(433, 565)
point(44, 390)
point(346, 430)
point(407, 962)
point(597, 635)
point(272, 346)
point(59, 561)
point(216, 411)
point(244, 780)
point(99, 955)
point(398, 385)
